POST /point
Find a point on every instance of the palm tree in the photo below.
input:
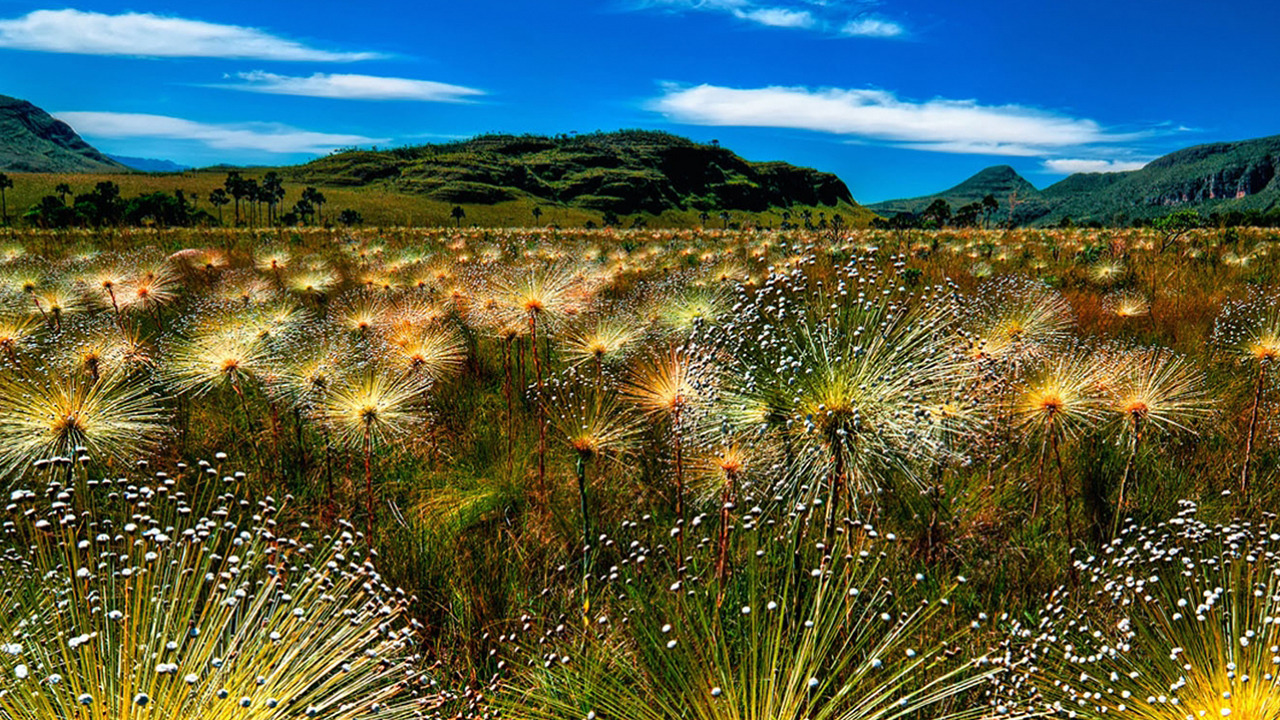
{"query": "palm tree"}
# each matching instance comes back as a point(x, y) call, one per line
point(218, 198)
point(317, 199)
point(273, 193)
point(235, 187)
point(457, 213)
point(252, 194)
point(5, 184)
point(537, 213)
point(725, 216)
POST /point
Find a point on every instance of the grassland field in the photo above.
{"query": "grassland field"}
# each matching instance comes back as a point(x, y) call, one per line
point(382, 205)
point(658, 473)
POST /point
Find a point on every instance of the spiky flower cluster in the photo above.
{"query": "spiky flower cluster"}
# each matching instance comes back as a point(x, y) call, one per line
point(589, 418)
point(843, 373)
point(1126, 304)
point(1171, 622)
point(1248, 331)
point(47, 412)
point(800, 630)
point(1013, 319)
point(133, 598)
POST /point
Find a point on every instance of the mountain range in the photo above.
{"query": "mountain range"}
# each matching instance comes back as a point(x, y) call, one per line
point(1216, 177)
point(623, 173)
point(151, 165)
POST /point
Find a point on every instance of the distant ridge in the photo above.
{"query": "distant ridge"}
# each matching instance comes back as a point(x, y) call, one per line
point(1216, 177)
point(149, 164)
point(31, 140)
point(1222, 177)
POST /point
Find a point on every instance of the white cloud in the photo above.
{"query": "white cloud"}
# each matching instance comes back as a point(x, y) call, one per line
point(836, 18)
point(958, 126)
point(149, 35)
point(1067, 166)
point(872, 27)
point(779, 17)
point(263, 137)
point(351, 87)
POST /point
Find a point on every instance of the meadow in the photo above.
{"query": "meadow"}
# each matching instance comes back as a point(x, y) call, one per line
point(686, 473)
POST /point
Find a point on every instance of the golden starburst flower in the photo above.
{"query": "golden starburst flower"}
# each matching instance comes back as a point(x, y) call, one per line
point(52, 413)
point(600, 340)
point(372, 407)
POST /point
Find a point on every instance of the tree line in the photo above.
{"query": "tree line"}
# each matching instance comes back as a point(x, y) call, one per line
point(939, 215)
point(982, 214)
point(254, 203)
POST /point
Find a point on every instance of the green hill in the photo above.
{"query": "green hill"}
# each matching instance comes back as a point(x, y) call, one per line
point(33, 141)
point(626, 172)
point(1218, 177)
point(1000, 181)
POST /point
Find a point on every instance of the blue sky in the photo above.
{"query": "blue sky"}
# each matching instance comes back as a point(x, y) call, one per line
point(898, 97)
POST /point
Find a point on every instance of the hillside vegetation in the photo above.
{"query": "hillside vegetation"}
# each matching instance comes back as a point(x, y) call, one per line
point(1219, 177)
point(999, 181)
point(622, 173)
point(33, 141)
point(628, 178)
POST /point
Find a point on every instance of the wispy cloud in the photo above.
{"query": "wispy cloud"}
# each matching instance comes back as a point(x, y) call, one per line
point(149, 35)
point(1067, 166)
point(844, 19)
point(940, 125)
point(778, 17)
point(872, 27)
point(262, 137)
point(351, 87)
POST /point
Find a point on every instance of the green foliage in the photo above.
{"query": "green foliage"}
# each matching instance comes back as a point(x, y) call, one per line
point(104, 206)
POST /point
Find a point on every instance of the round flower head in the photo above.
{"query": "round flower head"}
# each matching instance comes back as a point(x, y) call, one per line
point(1016, 319)
point(50, 412)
